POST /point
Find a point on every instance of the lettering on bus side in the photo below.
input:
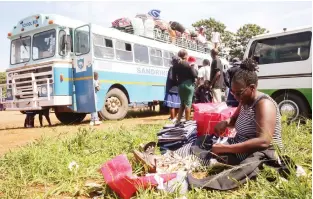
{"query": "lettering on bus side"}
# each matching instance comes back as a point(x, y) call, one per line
point(30, 23)
point(151, 71)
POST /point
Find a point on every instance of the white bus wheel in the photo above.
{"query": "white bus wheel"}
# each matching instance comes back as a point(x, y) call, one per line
point(115, 106)
point(292, 106)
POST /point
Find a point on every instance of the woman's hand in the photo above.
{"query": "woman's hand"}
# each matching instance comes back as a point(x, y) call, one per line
point(220, 127)
point(219, 148)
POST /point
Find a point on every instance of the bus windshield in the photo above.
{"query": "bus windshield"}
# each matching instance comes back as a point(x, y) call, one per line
point(20, 50)
point(44, 44)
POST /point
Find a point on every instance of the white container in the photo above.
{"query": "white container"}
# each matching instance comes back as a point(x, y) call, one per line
point(138, 26)
point(149, 28)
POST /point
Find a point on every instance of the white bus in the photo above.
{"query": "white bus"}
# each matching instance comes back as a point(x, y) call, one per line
point(285, 69)
point(53, 59)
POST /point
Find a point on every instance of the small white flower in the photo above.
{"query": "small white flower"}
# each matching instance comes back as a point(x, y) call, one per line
point(73, 165)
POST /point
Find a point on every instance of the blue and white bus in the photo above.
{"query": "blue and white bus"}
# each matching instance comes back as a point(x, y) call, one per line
point(53, 59)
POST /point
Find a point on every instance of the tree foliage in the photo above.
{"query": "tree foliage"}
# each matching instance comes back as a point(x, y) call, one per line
point(238, 41)
point(2, 78)
point(210, 25)
point(242, 37)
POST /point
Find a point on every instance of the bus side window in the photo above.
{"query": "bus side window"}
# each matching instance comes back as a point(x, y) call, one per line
point(141, 54)
point(123, 51)
point(103, 47)
point(264, 51)
point(156, 57)
point(69, 47)
point(167, 58)
point(294, 47)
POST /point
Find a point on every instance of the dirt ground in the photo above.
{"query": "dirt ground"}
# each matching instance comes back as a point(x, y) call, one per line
point(14, 135)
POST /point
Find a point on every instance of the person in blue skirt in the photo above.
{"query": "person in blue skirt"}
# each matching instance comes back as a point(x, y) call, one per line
point(172, 100)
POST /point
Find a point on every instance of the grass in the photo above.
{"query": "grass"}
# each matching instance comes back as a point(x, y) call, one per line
point(40, 170)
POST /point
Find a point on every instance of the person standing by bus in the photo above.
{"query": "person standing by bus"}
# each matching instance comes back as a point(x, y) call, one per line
point(94, 115)
point(217, 79)
point(231, 101)
point(172, 100)
point(185, 75)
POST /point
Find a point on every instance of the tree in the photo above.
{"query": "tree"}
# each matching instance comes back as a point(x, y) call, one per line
point(3, 81)
point(243, 35)
point(2, 78)
point(227, 39)
point(210, 24)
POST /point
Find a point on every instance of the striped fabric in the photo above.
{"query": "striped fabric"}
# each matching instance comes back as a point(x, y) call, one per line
point(246, 126)
point(246, 129)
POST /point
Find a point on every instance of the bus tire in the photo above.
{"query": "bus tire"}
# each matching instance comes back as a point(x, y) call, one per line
point(293, 105)
point(70, 117)
point(115, 106)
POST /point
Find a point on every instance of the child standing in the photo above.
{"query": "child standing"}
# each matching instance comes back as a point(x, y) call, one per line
point(94, 115)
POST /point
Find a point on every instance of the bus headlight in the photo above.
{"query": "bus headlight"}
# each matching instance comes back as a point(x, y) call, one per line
point(9, 94)
point(44, 90)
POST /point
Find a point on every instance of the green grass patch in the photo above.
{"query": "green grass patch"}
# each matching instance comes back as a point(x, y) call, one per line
point(40, 170)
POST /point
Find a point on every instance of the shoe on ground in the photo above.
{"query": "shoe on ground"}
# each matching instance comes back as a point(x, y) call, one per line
point(98, 123)
point(91, 123)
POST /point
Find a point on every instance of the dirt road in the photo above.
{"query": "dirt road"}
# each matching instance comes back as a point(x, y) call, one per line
point(14, 135)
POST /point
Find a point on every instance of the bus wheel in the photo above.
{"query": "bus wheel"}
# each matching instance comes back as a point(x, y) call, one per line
point(70, 117)
point(292, 106)
point(116, 105)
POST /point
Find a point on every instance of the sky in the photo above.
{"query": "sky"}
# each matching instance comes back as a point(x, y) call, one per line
point(273, 16)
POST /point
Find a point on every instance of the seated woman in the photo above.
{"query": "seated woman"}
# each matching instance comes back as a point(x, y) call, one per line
point(257, 120)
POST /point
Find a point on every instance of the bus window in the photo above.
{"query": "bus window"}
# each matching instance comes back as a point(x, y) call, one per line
point(103, 48)
point(141, 54)
point(20, 50)
point(62, 34)
point(156, 57)
point(294, 47)
point(167, 58)
point(123, 51)
point(44, 44)
point(82, 40)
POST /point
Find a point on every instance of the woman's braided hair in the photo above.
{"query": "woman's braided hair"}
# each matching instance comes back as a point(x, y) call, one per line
point(247, 72)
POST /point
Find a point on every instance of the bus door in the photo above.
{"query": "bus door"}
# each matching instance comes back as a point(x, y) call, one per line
point(84, 92)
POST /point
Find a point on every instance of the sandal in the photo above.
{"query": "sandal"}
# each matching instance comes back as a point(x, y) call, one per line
point(148, 148)
point(147, 160)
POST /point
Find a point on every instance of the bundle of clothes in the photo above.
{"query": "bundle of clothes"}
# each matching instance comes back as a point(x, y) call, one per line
point(172, 136)
point(149, 24)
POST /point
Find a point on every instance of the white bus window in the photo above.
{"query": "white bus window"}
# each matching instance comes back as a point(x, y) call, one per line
point(167, 58)
point(44, 44)
point(20, 50)
point(156, 57)
point(294, 47)
point(141, 54)
point(264, 51)
point(123, 51)
point(103, 48)
point(61, 44)
point(82, 40)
